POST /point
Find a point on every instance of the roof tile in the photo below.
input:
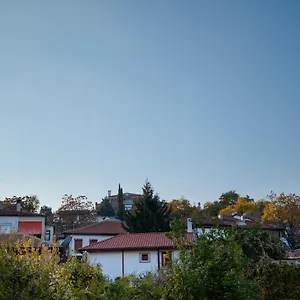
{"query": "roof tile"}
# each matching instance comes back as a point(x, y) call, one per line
point(135, 241)
point(106, 227)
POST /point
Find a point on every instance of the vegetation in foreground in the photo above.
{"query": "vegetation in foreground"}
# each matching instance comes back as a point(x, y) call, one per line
point(231, 264)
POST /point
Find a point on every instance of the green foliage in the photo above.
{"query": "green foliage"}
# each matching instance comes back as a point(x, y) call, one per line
point(277, 281)
point(47, 211)
point(218, 265)
point(106, 208)
point(211, 269)
point(121, 209)
point(29, 203)
point(151, 214)
point(211, 209)
point(257, 243)
point(132, 287)
point(229, 198)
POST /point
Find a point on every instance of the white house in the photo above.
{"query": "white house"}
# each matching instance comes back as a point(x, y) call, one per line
point(27, 223)
point(94, 233)
point(132, 253)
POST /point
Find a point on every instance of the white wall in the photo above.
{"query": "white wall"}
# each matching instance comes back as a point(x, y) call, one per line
point(132, 263)
point(86, 240)
point(111, 262)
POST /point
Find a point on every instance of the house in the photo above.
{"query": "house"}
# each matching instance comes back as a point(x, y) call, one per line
point(132, 253)
point(129, 201)
point(27, 223)
point(94, 233)
point(222, 221)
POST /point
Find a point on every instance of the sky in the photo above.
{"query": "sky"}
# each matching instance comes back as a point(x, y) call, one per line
point(199, 97)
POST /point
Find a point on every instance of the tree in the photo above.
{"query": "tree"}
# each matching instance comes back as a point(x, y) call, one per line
point(121, 210)
point(211, 209)
point(150, 215)
point(74, 212)
point(47, 211)
point(285, 210)
point(229, 198)
point(212, 269)
point(180, 208)
point(29, 203)
point(106, 208)
point(257, 243)
point(241, 206)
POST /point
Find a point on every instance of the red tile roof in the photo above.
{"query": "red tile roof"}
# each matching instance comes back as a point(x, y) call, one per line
point(134, 241)
point(106, 227)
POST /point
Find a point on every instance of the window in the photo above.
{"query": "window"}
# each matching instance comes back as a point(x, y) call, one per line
point(128, 206)
point(144, 257)
point(47, 235)
point(93, 241)
point(5, 228)
point(78, 244)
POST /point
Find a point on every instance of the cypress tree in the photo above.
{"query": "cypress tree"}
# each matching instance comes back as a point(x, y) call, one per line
point(120, 213)
point(150, 215)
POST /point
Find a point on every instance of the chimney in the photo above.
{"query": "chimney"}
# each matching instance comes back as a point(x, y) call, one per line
point(189, 225)
point(19, 205)
point(109, 193)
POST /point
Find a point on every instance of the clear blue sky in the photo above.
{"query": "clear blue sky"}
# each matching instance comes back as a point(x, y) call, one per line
point(197, 96)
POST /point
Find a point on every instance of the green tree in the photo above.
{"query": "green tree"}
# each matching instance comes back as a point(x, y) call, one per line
point(229, 198)
point(211, 209)
point(257, 243)
point(29, 203)
point(212, 269)
point(121, 209)
point(46, 211)
point(106, 208)
point(150, 215)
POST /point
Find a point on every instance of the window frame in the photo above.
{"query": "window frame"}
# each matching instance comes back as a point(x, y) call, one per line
point(141, 257)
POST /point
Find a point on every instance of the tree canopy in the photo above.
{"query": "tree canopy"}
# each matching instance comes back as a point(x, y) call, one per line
point(74, 212)
point(241, 206)
point(150, 215)
point(182, 207)
point(29, 203)
point(47, 211)
point(106, 209)
point(284, 209)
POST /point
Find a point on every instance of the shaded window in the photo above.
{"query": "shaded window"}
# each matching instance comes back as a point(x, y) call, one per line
point(78, 244)
point(93, 241)
point(47, 235)
point(144, 257)
point(128, 206)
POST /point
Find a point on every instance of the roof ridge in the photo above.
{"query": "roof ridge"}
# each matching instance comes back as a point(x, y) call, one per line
point(98, 243)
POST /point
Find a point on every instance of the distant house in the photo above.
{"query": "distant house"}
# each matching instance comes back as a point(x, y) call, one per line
point(27, 223)
point(94, 233)
point(132, 253)
point(223, 221)
point(129, 201)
